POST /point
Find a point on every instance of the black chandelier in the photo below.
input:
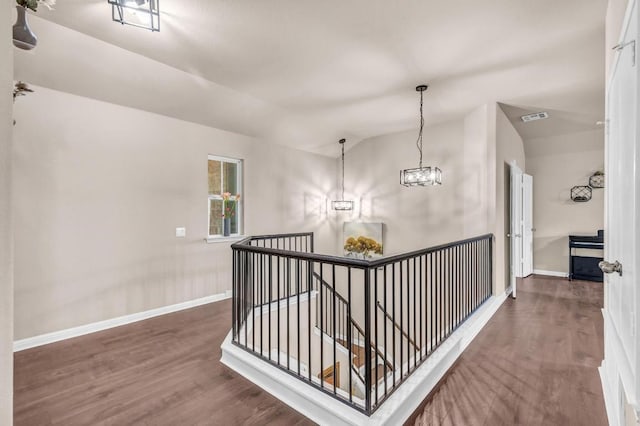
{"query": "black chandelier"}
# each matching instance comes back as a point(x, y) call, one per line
point(342, 204)
point(421, 176)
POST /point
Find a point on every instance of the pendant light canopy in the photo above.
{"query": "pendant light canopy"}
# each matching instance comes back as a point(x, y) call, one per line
point(342, 204)
point(421, 176)
point(138, 13)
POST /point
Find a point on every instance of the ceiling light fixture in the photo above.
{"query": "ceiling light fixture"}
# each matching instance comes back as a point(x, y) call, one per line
point(342, 204)
point(422, 176)
point(138, 13)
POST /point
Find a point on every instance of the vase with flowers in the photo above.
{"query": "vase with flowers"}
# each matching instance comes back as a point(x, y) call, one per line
point(229, 209)
point(23, 37)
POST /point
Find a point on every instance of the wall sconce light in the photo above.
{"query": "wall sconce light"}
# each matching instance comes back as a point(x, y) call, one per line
point(138, 13)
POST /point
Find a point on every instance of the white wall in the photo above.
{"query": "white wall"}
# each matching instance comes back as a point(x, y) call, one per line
point(6, 229)
point(472, 153)
point(479, 159)
point(558, 163)
point(415, 217)
point(100, 189)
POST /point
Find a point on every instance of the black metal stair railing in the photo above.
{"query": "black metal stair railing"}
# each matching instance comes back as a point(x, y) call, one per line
point(355, 329)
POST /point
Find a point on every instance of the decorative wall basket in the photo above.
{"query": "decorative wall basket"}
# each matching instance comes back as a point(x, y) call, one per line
point(597, 180)
point(23, 37)
point(581, 194)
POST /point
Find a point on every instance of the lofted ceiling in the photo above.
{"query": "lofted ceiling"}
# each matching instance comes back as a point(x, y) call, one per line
point(337, 68)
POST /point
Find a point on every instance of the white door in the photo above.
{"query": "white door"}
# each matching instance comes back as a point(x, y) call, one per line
point(527, 225)
point(622, 226)
point(515, 234)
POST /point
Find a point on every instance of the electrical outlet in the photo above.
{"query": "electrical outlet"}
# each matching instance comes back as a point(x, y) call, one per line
point(181, 232)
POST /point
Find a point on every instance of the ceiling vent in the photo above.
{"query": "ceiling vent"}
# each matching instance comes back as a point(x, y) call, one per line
point(533, 117)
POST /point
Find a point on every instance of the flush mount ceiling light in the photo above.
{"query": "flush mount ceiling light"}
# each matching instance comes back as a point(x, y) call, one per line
point(422, 176)
point(342, 204)
point(138, 13)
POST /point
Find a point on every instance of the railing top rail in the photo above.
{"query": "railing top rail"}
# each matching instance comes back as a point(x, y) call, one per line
point(244, 245)
point(269, 237)
point(399, 257)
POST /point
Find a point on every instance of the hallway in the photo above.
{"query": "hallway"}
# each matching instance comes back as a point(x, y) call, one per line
point(535, 363)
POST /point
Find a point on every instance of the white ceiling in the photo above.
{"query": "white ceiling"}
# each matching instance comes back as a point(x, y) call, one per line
point(349, 68)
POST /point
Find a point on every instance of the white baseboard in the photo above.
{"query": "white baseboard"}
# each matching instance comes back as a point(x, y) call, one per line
point(325, 410)
point(551, 273)
point(56, 336)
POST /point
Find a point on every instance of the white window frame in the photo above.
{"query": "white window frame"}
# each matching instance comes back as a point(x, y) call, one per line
point(239, 211)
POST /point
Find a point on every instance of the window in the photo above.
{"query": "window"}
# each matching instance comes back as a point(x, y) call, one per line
point(225, 176)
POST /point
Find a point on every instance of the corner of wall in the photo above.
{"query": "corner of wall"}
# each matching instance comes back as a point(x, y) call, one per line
point(6, 227)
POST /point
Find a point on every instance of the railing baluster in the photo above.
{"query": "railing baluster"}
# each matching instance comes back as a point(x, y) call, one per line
point(384, 322)
point(269, 281)
point(401, 317)
point(393, 321)
point(298, 310)
point(458, 286)
point(367, 339)
point(440, 306)
point(253, 299)
point(350, 343)
point(333, 283)
point(431, 293)
point(451, 295)
point(432, 299)
point(288, 313)
point(309, 331)
point(421, 305)
point(415, 334)
point(278, 305)
point(321, 313)
point(261, 291)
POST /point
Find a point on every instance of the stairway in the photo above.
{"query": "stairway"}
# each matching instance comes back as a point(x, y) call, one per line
point(358, 353)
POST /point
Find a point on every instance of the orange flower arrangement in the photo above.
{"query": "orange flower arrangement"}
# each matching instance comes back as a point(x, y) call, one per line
point(363, 245)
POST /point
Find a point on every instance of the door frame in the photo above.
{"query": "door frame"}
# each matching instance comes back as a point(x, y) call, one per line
point(527, 226)
point(515, 226)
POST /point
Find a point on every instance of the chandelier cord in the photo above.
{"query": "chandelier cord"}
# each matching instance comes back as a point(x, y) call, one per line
point(342, 145)
point(419, 141)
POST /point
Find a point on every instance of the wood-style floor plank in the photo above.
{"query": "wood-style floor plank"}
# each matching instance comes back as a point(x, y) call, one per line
point(162, 371)
point(535, 363)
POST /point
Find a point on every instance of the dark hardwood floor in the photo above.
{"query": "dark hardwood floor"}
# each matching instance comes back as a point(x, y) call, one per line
point(162, 371)
point(533, 364)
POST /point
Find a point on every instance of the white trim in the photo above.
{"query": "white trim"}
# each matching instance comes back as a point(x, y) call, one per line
point(615, 370)
point(551, 273)
point(609, 396)
point(239, 184)
point(230, 239)
point(56, 336)
point(325, 410)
